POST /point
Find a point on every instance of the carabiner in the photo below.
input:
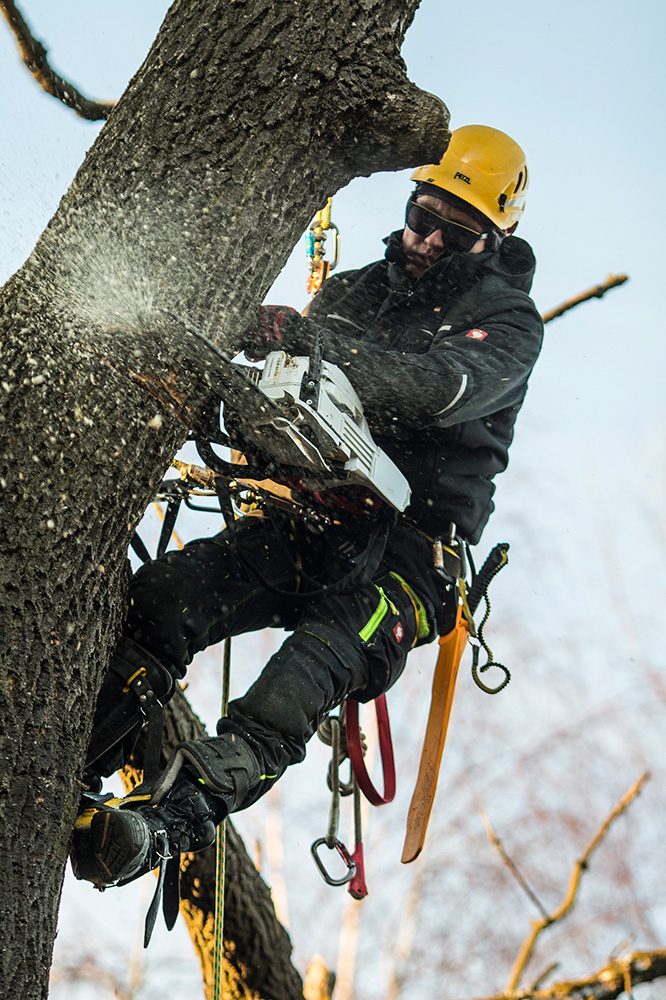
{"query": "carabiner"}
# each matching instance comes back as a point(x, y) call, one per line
point(344, 854)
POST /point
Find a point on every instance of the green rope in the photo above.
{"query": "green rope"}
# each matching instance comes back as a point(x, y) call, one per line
point(218, 940)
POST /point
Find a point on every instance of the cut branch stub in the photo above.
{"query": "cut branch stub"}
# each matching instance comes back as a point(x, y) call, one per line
point(35, 57)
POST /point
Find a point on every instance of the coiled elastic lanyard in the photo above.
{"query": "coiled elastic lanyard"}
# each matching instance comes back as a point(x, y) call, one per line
point(476, 637)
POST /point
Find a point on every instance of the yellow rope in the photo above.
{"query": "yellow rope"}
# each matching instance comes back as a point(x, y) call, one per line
point(218, 939)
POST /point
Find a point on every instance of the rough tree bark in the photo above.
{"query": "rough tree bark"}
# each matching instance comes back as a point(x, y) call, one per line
point(244, 117)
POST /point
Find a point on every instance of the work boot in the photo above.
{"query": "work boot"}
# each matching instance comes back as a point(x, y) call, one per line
point(117, 840)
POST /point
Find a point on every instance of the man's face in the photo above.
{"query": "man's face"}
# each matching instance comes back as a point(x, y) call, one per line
point(422, 251)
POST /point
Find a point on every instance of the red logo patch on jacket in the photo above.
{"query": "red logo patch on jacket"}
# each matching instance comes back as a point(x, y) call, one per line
point(477, 334)
point(399, 632)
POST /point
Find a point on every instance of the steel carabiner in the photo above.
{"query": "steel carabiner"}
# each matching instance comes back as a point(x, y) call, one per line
point(344, 854)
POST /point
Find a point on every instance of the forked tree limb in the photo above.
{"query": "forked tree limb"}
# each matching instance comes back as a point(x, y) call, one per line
point(35, 58)
point(547, 920)
point(618, 976)
point(612, 281)
point(513, 867)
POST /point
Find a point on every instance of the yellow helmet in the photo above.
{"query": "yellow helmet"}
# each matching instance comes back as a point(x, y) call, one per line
point(485, 168)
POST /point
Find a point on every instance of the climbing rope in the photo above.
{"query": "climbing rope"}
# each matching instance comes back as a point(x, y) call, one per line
point(220, 856)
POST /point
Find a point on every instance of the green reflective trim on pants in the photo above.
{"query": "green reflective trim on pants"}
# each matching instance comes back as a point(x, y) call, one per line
point(374, 622)
point(422, 627)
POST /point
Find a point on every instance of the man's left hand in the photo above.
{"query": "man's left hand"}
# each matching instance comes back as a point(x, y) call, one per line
point(265, 332)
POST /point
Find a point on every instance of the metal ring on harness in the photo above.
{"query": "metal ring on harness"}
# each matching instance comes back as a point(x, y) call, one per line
point(355, 751)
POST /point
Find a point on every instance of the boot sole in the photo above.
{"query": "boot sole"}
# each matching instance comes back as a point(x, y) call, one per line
point(109, 845)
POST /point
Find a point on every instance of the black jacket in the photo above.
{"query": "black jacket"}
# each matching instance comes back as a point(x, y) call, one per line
point(441, 366)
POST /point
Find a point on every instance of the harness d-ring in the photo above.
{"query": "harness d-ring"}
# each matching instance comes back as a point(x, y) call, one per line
point(355, 750)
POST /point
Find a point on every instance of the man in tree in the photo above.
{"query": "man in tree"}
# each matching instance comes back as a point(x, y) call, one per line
point(439, 340)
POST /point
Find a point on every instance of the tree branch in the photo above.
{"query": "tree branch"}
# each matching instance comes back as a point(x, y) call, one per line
point(574, 880)
point(612, 281)
point(513, 868)
point(618, 976)
point(35, 58)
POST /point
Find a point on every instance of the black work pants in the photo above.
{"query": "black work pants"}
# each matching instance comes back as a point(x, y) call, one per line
point(341, 644)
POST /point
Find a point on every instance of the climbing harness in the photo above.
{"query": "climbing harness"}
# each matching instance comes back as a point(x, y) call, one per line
point(247, 496)
point(307, 411)
point(316, 236)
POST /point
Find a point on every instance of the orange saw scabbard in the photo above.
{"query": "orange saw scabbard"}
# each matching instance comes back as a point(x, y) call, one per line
point(451, 648)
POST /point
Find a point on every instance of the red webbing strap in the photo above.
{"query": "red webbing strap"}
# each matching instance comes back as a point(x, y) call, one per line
point(355, 750)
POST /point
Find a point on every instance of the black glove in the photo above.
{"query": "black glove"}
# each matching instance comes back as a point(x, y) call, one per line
point(265, 332)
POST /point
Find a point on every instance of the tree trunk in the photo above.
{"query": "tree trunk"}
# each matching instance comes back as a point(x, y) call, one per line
point(244, 117)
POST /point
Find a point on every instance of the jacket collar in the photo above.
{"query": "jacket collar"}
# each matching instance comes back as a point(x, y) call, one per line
point(514, 263)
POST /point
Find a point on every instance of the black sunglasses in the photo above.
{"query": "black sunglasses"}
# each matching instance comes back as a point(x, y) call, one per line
point(423, 221)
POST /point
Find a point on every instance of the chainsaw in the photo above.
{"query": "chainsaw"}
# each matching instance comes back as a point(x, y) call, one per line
point(303, 419)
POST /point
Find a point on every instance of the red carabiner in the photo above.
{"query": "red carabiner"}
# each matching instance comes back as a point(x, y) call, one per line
point(355, 749)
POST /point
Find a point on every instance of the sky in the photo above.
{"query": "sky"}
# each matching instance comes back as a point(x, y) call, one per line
point(581, 88)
